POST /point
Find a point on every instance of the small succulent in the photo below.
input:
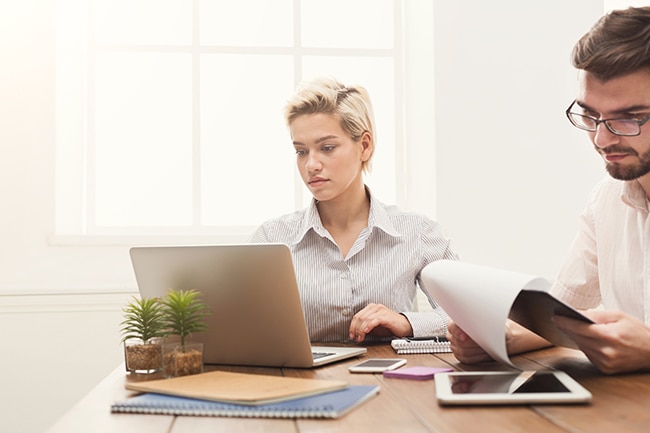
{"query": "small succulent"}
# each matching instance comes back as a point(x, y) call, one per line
point(144, 319)
point(184, 313)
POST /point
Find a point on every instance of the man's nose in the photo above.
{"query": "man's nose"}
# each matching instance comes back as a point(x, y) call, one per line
point(603, 137)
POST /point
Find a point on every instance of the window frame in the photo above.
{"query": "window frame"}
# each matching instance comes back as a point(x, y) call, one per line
point(414, 91)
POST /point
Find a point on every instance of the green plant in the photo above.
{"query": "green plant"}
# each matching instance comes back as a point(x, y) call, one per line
point(144, 319)
point(184, 313)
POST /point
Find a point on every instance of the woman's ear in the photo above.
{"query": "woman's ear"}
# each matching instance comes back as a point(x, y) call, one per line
point(367, 146)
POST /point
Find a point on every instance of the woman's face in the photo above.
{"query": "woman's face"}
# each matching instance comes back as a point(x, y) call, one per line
point(330, 162)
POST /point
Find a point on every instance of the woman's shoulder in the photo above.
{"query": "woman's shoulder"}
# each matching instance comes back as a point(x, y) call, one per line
point(399, 216)
point(393, 219)
point(281, 228)
point(289, 220)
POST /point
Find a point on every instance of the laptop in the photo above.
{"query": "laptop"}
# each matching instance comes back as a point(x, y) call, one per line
point(256, 317)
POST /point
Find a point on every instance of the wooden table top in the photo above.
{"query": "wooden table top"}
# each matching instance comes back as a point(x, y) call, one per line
point(620, 403)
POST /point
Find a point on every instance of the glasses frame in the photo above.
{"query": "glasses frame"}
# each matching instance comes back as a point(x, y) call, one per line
point(639, 122)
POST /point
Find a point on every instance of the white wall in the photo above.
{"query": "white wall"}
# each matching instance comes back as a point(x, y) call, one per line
point(55, 348)
point(513, 174)
point(512, 178)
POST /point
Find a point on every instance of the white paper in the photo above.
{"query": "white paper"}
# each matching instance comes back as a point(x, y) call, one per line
point(478, 299)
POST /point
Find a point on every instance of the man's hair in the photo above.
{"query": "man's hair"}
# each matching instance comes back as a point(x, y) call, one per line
point(351, 105)
point(618, 44)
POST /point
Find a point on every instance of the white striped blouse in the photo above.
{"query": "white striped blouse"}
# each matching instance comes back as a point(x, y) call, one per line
point(383, 266)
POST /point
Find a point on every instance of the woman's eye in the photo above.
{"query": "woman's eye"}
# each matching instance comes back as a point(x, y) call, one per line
point(328, 148)
point(301, 152)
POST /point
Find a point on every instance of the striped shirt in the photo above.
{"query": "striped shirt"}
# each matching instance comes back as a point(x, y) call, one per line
point(609, 261)
point(383, 266)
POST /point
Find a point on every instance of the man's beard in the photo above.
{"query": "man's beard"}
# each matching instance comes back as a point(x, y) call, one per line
point(628, 172)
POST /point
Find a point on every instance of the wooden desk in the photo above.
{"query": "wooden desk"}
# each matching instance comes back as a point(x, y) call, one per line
point(620, 403)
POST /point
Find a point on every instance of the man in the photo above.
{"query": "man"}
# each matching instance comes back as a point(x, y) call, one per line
point(609, 262)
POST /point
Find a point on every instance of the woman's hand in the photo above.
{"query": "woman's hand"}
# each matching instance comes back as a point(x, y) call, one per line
point(377, 319)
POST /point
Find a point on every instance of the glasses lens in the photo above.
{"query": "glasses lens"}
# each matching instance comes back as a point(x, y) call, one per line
point(583, 122)
point(623, 127)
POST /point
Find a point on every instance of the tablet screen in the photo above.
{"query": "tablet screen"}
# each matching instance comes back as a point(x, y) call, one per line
point(506, 383)
point(524, 387)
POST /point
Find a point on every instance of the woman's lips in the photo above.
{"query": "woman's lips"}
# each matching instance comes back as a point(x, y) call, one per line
point(318, 181)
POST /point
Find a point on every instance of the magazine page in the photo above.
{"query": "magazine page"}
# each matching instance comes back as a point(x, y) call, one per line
point(478, 298)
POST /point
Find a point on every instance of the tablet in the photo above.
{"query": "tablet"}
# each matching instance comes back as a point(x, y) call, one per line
point(495, 387)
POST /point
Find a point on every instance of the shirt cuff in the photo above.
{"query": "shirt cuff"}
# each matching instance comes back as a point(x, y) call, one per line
point(428, 323)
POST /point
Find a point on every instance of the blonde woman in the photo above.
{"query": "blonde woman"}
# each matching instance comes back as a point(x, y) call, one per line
point(357, 260)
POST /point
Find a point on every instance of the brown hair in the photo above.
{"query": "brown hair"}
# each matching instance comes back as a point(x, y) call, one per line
point(618, 44)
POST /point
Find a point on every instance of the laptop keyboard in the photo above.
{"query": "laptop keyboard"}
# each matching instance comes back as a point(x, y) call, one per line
point(317, 355)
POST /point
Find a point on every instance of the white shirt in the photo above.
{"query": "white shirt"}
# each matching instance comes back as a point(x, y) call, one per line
point(383, 266)
point(609, 261)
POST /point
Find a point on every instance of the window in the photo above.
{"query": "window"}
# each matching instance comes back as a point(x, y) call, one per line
point(169, 112)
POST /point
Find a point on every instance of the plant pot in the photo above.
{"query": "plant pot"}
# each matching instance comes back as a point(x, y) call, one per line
point(182, 361)
point(141, 357)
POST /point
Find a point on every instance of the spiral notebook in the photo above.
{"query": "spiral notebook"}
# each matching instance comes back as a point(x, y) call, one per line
point(330, 405)
point(429, 345)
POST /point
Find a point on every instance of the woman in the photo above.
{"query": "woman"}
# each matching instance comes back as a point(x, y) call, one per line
point(357, 260)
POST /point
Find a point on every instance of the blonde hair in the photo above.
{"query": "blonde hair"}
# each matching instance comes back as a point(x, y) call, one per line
point(351, 105)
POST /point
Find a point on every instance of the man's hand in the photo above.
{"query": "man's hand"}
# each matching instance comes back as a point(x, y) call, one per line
point(465, 349)
point(616, 343)
point(518, 340)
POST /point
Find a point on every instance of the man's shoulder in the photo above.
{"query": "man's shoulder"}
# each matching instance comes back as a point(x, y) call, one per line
point(612, 196)
point(607, 189)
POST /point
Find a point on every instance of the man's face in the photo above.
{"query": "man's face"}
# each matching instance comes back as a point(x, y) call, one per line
point(628, 97)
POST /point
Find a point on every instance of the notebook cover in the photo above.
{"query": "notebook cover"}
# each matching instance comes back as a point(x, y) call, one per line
point(329, 405)
point(240, 388)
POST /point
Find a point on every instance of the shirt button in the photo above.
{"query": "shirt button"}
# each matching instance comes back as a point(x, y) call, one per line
point(344, 276)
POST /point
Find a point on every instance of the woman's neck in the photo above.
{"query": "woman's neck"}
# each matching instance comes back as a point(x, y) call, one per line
point(345, 211)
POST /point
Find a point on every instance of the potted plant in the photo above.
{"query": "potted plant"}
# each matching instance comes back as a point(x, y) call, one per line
point(143, 328)
point(184, 313)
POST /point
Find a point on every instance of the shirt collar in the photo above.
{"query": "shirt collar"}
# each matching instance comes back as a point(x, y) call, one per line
point(378, 217)
point(634, 195)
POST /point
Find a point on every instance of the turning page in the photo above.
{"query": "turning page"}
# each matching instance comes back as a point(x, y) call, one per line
point(480, 299)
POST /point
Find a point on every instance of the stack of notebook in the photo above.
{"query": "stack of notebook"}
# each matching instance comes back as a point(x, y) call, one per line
point(220, 393)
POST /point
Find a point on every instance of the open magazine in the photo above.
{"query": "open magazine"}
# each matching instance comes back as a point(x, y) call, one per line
point(480, 299)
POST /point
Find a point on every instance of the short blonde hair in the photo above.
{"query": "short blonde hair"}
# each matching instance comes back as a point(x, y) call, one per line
point(328, 96)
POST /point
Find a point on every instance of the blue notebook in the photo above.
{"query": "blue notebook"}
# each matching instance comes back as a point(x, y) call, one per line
point(329, 405)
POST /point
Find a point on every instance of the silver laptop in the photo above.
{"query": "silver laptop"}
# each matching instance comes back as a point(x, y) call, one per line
point(256, 317)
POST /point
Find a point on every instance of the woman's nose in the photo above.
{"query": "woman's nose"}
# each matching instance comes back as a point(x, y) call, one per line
point(312, 163)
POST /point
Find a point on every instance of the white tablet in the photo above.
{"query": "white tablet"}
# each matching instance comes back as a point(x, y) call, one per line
point(495, 387)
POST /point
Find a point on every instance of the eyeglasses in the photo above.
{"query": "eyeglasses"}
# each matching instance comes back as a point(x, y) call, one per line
point(624, 127)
